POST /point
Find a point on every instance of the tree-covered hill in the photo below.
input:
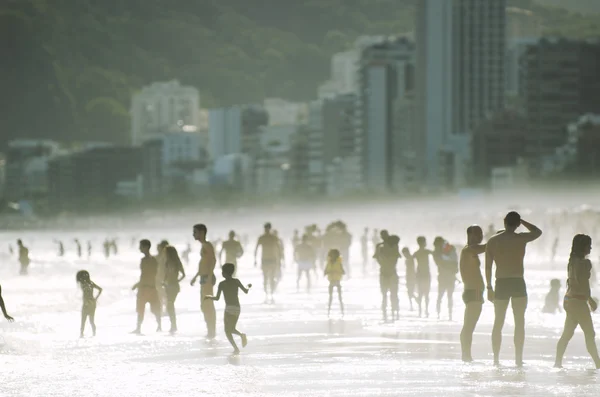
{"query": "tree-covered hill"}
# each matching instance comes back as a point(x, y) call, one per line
point(69, 67)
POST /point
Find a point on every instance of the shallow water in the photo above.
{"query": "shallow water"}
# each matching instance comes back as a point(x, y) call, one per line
point(293, 350)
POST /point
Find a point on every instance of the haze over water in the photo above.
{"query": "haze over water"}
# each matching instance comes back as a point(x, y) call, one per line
point(293, 349)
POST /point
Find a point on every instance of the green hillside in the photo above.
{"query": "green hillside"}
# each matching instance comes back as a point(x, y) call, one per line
point(70, 66)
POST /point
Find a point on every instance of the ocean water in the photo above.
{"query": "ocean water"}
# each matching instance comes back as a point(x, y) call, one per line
point(294, 349)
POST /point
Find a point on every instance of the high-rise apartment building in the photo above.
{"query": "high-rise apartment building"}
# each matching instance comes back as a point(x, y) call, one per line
point(163, 107)
point(460, 76)
point(560, 82)
point(385, 76)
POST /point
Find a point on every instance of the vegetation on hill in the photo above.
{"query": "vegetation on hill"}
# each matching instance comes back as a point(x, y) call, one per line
point(69, 67)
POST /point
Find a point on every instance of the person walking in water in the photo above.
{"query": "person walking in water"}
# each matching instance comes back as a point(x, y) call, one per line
point(271, 259)
point(446, 260)
point(410, 276)
point(3, 308)
point(88, 310)
point(387, 255)
point(161, 259)
point(206, 272)
point(578, 300)
point(78, 248)
point(229, 288)
point(507, 250)
point(305, 256)
point(23, 258)
point(233, 251)
point(470, 272)
point(334, 270)
point(173, 270)
point(423, 274)
point(146, 288)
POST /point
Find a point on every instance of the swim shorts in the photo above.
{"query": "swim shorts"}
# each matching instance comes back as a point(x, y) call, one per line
point(507, 288)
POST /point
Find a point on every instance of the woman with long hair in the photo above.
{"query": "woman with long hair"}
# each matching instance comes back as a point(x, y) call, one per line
point(578, 300)
point(173, 270)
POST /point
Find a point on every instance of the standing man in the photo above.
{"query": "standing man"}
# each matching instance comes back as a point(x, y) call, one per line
point(206, 272)
point(233, 251)
point(271, 259)
point(507, 250)
point(161, 259)
point(146, 288)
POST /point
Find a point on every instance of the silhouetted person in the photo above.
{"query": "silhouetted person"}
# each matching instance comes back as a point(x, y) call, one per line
point(161, 259)
point(89, 249)
point(146, 288)
point(577, 299)
point(364, 249)
point(423, 274)
point(23, 257)
point(281, 263)
point(271, 257)
point(206, 272)
point(3, 307)
point(88, 310)
point(305, 256)
point(552, 301)
point(230, 287)
point(387, 255)
point(78, 248)
point(233, 250)
point(61, 249)
point(375, 239)
point(186, 254)
point(334, 270)
point(554, 249)
point(174, 273)
point(106, 248)
point(446, 260)
point(507, 250)
point(296, 240)
point(470, 272)
point(410, 276)
point(114, 247)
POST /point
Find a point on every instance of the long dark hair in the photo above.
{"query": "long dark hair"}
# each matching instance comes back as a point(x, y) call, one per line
point(83, 276)
point(580, 246)
point(172, 256)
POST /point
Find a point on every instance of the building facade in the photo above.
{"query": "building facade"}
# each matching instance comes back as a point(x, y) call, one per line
point(560, 82)
point(460, 76)
point(164, 107)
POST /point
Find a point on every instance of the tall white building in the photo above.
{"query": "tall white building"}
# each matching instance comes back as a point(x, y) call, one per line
point(385, 78)
point(225, 131)
point(164, 107)
point(460, 76)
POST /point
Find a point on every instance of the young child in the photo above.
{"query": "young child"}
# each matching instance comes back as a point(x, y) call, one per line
point(89, 301)
point(229, 287)
point(6, 316)
point(552, 304)
point(410, 275)
point(334, 272)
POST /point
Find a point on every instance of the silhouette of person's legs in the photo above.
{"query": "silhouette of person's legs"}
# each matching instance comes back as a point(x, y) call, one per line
point(92, 317)
point(472, 313)
point(208, 309)
point(230, 321)
point(500, 307)
point(84, 316)
point(585, 322)
point(330, 298)
point(171, 294)
point(394, 297)
point(565, 338)
point(519, 305)
point(339, 289)
point(450, 292)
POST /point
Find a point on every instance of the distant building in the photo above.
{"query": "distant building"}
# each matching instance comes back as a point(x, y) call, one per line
point(164, 107)
point(521, 23)
point(498, 143)
point(26, 168)
point(386, 76)
point(94, 179)
point(272, 165)
point(515, 49)
point(560, 82)
point(171, 161)
point(460, 77)
point(282, 112)
point(225, 131)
